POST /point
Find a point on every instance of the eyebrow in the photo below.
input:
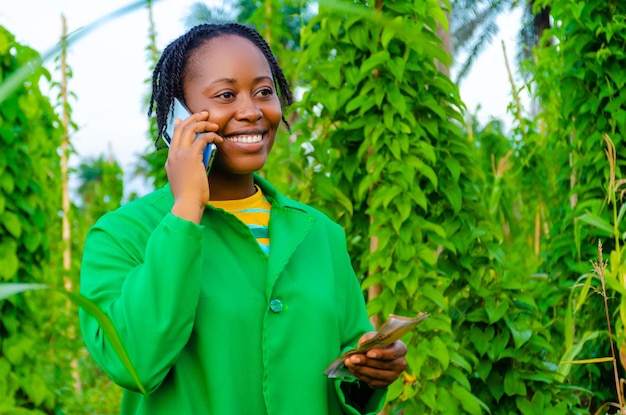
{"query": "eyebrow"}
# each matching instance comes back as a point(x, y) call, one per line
point(234, 81)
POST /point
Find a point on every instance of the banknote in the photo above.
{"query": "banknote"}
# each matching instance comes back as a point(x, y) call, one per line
point(393, 329)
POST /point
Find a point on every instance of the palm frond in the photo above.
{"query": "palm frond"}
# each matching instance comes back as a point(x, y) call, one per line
point(468, 17)
point(483, 40)
point(200, 13)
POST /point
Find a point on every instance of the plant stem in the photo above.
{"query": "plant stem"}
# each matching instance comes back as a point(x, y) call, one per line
point(600, 270)
point(518, 103)
point(66, 234)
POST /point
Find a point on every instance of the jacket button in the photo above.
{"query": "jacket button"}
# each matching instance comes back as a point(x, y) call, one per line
point(276, 305)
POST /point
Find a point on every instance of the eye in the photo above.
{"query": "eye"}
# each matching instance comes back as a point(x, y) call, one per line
point(227, 95)
point(266, 92)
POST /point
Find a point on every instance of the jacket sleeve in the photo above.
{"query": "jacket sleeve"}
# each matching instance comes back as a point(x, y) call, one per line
point(147, 280)
point(355, 323)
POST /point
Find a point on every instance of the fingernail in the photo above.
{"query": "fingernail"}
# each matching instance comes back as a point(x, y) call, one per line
point(356, 360)
point(373, 355)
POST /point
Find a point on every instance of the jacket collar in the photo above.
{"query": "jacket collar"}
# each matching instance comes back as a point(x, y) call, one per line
point(274, 196)
point(290, 224)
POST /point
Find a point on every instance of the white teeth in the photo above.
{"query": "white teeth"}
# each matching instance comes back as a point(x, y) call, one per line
point(248, 139)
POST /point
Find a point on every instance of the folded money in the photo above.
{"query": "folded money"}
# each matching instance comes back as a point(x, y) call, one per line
point(394, 328)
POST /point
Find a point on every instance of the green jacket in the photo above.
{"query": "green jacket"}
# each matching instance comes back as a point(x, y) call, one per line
point(211, 324)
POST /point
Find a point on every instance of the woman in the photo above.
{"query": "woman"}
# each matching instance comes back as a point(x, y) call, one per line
point(229, 297)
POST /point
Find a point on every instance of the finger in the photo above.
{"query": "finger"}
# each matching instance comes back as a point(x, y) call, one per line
point(210, 137)
point(204, 139)
point(185, 129)
point(376, 378)
point(210, 126)
point(191, 129)
point(398, 364)
point(202, 132)
point(176, 135)
point(394, 351)
point(366, 336)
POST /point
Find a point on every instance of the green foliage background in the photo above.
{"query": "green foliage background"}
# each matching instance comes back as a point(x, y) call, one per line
point(30, 133)
point(490, 231)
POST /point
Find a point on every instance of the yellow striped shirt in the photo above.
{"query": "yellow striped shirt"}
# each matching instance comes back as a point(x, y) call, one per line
point(254, 211)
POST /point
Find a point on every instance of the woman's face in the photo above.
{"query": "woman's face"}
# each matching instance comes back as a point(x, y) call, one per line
point(229, 77)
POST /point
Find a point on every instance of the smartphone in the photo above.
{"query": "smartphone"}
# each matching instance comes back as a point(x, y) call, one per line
point(179, 110)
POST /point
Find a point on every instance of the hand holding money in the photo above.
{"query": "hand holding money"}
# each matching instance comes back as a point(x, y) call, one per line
point(379, 358)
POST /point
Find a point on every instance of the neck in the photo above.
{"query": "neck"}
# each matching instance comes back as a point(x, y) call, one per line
point(231, 187)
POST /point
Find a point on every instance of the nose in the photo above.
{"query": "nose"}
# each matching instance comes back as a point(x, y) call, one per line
point(249, 110)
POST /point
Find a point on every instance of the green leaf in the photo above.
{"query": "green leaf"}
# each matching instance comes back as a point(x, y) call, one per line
point(495, 385)
point(469, 402)
point(437, 13)
point(427, 254)
point(496, 308)
point(520, 330)
point(428, 394)
point(483, 369)
point(446, 403)
point(498, 345)
point(395, 389)
point(434, 295)
point(460, 361)
point(526, 407)
point(396, 98)
point(615, 285)
point(389, 32)
point(9, 262)
point(375, 60)
point(439, 351)
point(597, 222)
point(419, 197)
point(15, 347)
point(359, 35)
point(513, 385)
point(397, 66)
point(454, 166)
point(35, 387)
point(32, 241)
point(458, 375)
point(12, 223)
point(572, 352)
point(584, 291)
point(481, 339)
point(455, 196)
point(9, 289)
point(328, 70)
point(7, 182)
point(478, 315)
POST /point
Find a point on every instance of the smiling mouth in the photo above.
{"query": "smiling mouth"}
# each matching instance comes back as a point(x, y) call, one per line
point(246, 139)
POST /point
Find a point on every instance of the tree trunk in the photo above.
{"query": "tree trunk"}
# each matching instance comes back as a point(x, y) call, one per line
point(154, 53)
point(268, 22)
point(541, 22)
point(375, 290)
point(446, 38)
point(66, 234)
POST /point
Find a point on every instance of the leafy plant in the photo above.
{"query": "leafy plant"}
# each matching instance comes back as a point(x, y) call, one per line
point(35, 349)
point(30, 134)
point(582, 90)
point(109, 330)
point(387, 157)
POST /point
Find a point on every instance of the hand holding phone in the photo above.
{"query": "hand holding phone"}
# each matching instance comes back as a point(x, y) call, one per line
point(179, 110)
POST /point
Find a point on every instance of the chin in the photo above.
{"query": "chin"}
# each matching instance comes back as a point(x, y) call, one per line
point(247, 168)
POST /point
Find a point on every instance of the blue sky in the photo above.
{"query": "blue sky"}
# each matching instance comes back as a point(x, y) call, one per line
point(110, 68)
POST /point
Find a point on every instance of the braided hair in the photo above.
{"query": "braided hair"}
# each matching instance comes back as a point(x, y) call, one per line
point(167, 78)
